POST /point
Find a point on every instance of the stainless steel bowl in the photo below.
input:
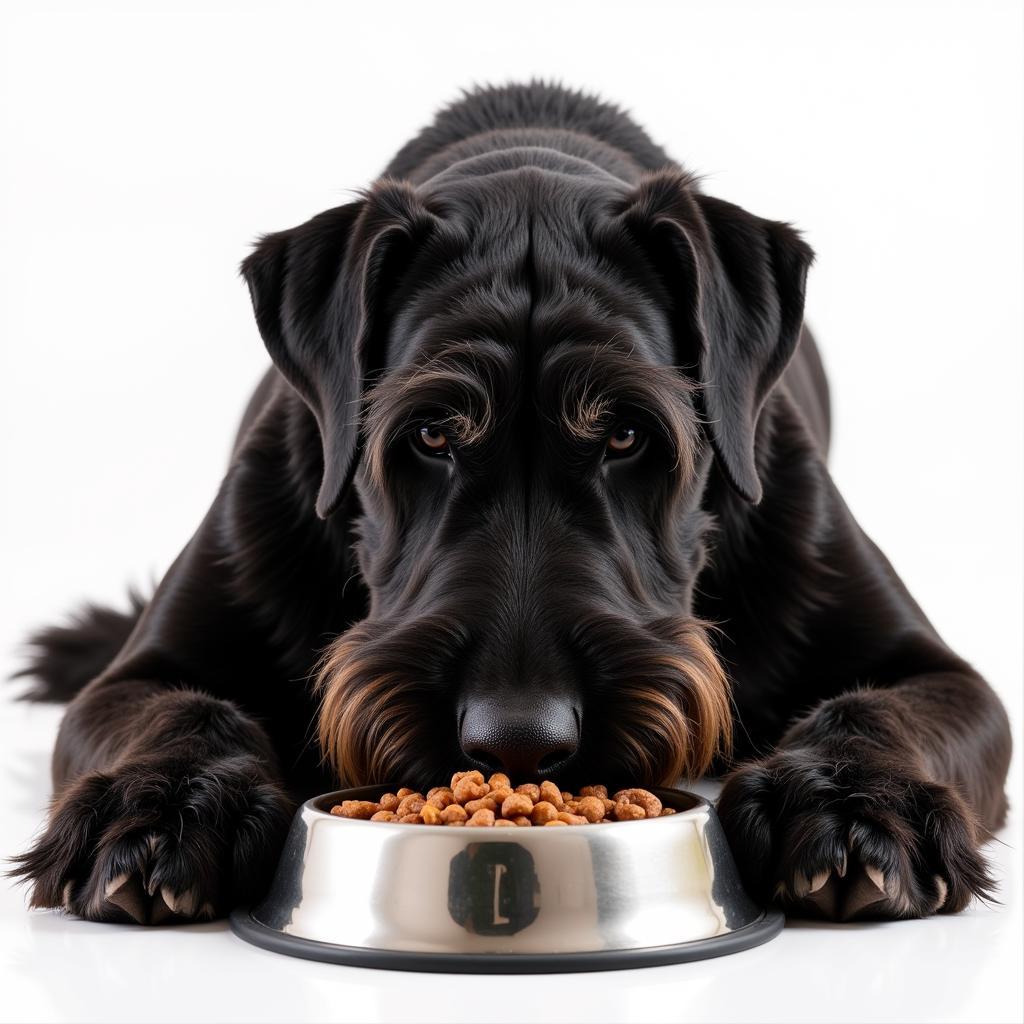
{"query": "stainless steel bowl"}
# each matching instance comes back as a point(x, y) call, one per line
point(481, 900)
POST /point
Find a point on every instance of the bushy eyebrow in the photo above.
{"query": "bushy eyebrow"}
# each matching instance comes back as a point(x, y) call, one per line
point(582, 386)
point(462, 386)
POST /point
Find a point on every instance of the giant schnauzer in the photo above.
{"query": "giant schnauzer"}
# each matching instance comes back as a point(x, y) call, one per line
point(538, 482)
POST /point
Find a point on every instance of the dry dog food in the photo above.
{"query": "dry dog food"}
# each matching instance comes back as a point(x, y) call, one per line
point(473, 800)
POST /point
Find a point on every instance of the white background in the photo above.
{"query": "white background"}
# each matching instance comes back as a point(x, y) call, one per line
point(145, 145)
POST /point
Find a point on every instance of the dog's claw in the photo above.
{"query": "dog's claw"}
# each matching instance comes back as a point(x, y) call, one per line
point(865, 892)
point(940, 884)
point(168, 897)
point(114, 884)
point(69, 887)
point(876, 876)
point(182, 903)
point(804, 886)
point(159, 911)
point(819, 880)
point(129, 896)
point(841, 869)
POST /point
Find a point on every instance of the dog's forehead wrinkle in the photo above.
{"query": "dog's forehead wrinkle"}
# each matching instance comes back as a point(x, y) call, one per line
point(492, 310)
point(497, 215)
point(519, 163)
point(529, 268)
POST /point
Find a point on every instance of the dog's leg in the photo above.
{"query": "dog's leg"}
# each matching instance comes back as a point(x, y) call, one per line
point(169, 798)
point(881, 755)
point(875, 803)
point(166, 806)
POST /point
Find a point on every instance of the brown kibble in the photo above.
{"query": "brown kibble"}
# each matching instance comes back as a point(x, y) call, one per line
point(552, 794)
point(642, 798)
point(572, 819)
point(625, 811)
point(362, 809)
point(543, 812)
point(410, 804)
point(454, 814)
point(477, 777)
point(470, 800)
point(591, 807)
point(430, 814)
point(516, 805)
point(484, 803)
point(467, 789)
point(531, 789)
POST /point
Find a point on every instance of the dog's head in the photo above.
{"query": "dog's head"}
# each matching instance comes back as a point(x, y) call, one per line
point(528, 375)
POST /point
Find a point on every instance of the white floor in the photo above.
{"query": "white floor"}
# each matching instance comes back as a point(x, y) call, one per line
point(129, 191)
point(962, 968)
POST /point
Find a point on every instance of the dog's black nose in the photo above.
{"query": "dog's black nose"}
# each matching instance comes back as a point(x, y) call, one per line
point(528, 742)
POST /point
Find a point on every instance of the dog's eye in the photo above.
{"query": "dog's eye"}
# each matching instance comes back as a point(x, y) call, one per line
point(431, 439)
point(624, 440)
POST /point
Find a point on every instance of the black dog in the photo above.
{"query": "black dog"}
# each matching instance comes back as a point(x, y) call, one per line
point(542, 413)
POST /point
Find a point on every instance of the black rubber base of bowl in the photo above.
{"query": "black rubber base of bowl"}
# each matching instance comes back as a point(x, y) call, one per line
point(764, 928)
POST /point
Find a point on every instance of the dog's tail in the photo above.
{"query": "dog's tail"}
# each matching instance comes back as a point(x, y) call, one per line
point(62, 659)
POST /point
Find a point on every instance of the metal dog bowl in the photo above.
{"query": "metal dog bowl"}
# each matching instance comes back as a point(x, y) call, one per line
point(501, 900)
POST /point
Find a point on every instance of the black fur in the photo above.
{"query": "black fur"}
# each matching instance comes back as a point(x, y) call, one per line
point(531, 279)
point(63, 659)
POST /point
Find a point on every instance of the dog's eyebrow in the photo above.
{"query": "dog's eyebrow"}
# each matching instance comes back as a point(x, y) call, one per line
point(586, 385)
point(459, 385)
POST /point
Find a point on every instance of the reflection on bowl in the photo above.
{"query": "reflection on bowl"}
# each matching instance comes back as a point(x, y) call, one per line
point(587, 897)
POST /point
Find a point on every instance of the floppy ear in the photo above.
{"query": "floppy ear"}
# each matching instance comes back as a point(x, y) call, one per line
point(738, 282)
point(317, 291)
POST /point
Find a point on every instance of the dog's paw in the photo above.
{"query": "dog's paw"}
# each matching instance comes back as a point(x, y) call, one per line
point(856, 836)
point(158, 840)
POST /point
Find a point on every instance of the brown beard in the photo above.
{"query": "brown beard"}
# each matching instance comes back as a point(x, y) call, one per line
point(663, 711)
point(380, 719)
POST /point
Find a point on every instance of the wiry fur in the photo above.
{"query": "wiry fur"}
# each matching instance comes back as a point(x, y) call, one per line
point(528, 272)
point(62, 659)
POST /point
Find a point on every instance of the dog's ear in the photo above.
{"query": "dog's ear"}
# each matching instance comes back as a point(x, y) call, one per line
point(318, 294)
point(738, 285)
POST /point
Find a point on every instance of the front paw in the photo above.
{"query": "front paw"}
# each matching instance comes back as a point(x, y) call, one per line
point(159, 839)
point(856, 835)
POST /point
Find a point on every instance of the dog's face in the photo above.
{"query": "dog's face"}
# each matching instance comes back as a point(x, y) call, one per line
point(526, 375)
